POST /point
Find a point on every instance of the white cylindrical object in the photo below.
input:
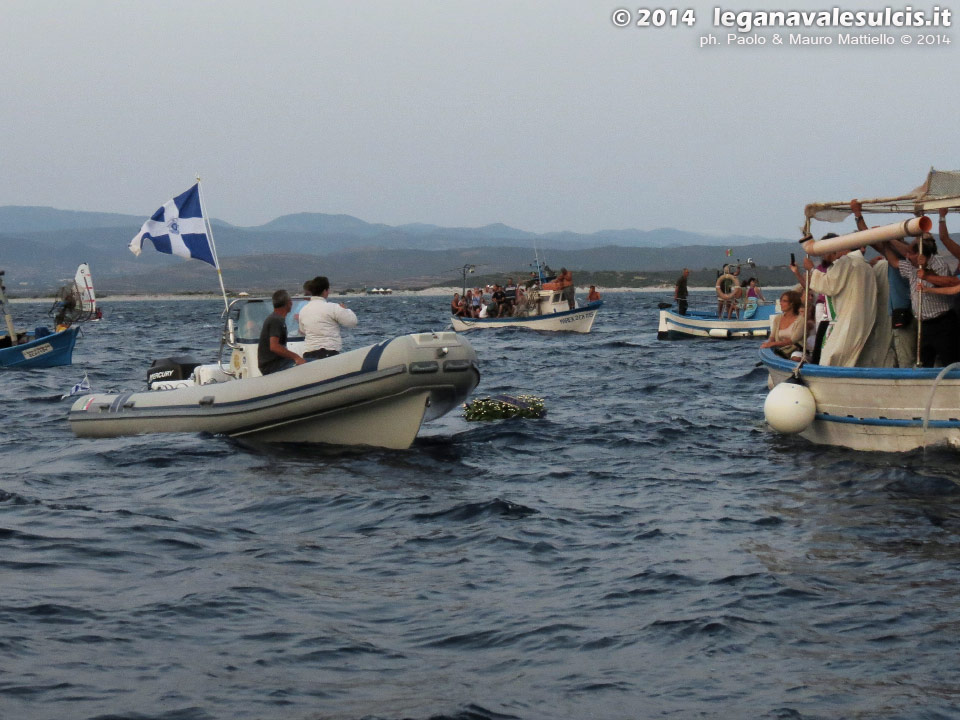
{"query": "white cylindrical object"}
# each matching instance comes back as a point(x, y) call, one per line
point(912, 227)
point(790, 408)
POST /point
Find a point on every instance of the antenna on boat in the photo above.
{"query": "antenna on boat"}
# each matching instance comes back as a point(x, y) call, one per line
point(468, 268)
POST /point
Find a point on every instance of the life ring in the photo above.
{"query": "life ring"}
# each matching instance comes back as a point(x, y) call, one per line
point(734, 284)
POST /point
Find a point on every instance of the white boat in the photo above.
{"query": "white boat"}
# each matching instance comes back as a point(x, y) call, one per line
point(542, 310)
point(753, 316)
point(869, 408)
point(706, 324)
point(880, 409)
point(377, 395)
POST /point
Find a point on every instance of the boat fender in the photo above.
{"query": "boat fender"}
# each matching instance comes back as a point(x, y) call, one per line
point(719, 332)
point(790, 407)
point(734, 284)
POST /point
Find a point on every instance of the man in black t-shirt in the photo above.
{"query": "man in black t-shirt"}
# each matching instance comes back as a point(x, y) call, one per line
point(499, 298)
point(272, 353)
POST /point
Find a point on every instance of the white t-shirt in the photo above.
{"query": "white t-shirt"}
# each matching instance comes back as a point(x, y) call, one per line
point(320, 323)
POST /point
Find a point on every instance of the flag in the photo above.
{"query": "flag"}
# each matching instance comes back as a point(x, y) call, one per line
point(729, 252)
point(81, 387)
point(178, 229)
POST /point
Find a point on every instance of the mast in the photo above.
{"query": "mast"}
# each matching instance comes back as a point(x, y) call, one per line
point(213, 245)
point(6, 311)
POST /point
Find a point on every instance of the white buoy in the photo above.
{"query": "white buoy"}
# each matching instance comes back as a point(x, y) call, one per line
point(789, 408)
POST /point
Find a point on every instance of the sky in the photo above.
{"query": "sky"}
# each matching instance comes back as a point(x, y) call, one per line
point(544, 116)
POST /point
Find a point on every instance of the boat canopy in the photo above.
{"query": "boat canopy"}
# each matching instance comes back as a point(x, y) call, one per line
point(940, 190)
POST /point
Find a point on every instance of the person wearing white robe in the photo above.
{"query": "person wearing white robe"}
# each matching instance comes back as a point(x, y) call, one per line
point(851, 290)
point(878, 352)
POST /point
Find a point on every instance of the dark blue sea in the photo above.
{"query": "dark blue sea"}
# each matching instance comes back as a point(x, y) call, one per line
point(648, 550)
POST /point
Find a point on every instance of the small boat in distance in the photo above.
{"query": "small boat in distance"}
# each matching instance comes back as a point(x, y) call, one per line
point(746, 317)
point(541, 307)
point(377, 395)
point(42, 347)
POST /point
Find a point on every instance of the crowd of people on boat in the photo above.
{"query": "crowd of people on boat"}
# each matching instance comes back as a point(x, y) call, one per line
point(860, 312)
point(490, 301)
point(736, 299)
point(517, 299)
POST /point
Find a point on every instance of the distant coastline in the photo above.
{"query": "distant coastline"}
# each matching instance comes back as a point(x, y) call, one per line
point(431, 292)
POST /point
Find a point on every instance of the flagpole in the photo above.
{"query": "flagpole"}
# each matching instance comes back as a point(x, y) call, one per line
point(213, 245)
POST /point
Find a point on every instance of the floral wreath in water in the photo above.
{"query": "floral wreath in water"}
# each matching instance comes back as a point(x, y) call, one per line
point(501, 407)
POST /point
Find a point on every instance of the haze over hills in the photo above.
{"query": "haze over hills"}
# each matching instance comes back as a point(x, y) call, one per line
point(40, 247)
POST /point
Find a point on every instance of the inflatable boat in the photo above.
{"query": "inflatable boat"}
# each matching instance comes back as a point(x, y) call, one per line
point(377, 395)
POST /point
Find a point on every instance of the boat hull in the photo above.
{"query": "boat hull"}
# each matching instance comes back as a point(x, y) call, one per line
point(47, 351)
point(377, 396)
point(876, 409)
point(700, 324)
point(577, 320)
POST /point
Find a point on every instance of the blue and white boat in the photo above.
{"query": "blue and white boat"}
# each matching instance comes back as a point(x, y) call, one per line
point(705, 324)
point(883, 409)
point(37, 348)
point(880, 409)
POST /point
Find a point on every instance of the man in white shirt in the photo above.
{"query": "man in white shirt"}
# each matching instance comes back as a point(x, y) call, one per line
point(320, 321)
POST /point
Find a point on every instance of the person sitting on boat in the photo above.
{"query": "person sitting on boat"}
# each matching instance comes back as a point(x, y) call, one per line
point(786, 336)
point(754, 298)
point(680, 292)
point(532, 280)
point(851, 292)
point(594, 296)
point(567, 290)
point(455, 304)
point(477, 303)
point(272, 353)
point(320, 322)
point(504, 307)
point(753, 290)
point(818, 302)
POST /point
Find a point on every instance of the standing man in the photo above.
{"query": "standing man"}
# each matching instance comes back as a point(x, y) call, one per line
point(566, 287)
point(272, 353)
point(680, 292)
point(850, 288)
point(320, 321)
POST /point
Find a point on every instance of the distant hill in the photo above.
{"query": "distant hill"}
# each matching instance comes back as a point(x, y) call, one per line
point(40, 247)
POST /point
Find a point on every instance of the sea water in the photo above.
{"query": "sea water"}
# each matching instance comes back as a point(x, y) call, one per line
point(648, 549)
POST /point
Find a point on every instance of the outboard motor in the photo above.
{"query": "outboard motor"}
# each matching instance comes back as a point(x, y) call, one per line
point(170, 369)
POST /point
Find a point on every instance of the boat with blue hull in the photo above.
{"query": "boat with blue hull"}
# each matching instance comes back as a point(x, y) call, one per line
point(38, 348)
point(705, 324)
point(41, 347)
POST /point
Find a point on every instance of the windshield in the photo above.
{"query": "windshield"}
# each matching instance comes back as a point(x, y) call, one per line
point(252, 313)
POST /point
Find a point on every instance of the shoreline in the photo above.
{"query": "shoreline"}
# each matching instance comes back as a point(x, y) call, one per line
point(426, 292)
